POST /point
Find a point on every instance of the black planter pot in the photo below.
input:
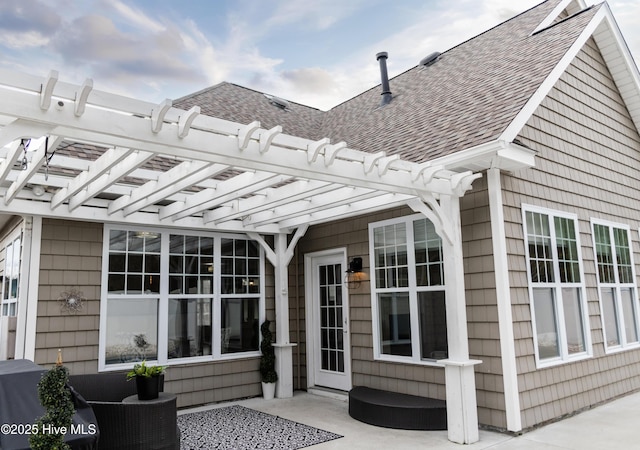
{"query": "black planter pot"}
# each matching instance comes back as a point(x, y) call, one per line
point(148, 387)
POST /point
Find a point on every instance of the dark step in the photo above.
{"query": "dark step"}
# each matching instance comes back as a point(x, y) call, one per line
point(394, 410)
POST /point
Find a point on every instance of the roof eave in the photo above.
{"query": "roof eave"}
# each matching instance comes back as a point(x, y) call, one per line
point(606, 33)
point(500, 154)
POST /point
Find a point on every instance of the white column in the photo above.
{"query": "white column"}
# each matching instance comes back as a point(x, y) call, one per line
point(29, 281)
point(503, 300)
point(283, 348)
point(462, 413)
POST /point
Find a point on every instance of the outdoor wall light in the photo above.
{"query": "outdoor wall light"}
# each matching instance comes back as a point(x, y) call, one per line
point(355, 275)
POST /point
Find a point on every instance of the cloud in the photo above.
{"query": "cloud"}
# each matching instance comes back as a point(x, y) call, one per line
point(27, 23)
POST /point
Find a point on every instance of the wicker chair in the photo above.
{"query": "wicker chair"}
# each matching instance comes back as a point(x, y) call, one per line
point(127, 426)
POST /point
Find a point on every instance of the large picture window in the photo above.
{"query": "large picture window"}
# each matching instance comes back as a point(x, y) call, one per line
point(179, 297)
point(618, 296)
point(556, 284)
point(408, 290)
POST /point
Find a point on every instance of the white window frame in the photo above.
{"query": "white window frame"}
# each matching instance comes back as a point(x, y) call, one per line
point(163, 298)
point(412, 290)
point(8, 269)
point(617, 285)
point(556, 286)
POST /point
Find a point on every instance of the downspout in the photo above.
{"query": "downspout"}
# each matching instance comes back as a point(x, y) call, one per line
point(503, 299)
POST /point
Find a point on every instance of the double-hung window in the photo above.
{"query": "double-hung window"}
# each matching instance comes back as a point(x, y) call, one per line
point(556, 286)
point(408, 290)
point(618, 296)
point(179, 297)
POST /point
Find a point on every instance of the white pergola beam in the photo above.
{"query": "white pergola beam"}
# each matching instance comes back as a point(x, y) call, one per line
point(287, 154)
point(34, 165)
point(120, 170)
point(6, 165)
point(343, 196)
point(272, 198)
point(18, 129)
point(99, 167)
point(176, 179)
point(374, 204)
point(238, 186)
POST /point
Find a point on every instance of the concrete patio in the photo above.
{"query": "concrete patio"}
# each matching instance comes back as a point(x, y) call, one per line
point(611, 425)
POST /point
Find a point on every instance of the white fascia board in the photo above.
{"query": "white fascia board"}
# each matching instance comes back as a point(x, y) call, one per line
point(620, 62)
point(553, 15)
point(602, 27)
point(501, 154)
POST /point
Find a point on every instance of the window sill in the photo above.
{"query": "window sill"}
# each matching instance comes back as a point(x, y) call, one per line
point(619, 349)
point(559, 362)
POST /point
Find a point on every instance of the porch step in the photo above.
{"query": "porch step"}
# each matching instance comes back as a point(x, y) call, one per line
point(394, 410)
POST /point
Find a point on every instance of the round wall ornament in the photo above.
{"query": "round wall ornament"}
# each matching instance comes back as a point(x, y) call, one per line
point(71, 301)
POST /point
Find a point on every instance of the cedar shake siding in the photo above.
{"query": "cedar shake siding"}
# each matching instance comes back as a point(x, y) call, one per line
point(71, 257)
point(588, 164)
point(396, 377)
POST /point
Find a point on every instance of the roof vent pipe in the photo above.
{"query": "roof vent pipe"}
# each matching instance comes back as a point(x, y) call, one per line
point(386, 90)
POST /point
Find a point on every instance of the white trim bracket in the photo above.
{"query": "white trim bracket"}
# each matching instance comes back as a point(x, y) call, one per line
point(429, 207)
point(271, 254)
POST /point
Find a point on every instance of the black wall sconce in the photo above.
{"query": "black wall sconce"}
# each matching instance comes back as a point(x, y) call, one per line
point(355, 275)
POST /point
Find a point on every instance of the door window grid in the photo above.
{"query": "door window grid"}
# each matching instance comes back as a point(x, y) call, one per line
point(331, 320)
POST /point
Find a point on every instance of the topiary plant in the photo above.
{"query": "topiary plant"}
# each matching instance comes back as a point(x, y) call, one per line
point(55, 397)
point(268, 360)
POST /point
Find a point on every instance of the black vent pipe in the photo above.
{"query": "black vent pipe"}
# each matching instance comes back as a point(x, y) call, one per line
point(386, 90)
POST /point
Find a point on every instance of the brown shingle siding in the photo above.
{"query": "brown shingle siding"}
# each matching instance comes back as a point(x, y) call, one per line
point(587, 164)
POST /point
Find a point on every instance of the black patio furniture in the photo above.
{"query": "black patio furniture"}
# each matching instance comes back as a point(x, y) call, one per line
point(126, 423)
point(20, 408)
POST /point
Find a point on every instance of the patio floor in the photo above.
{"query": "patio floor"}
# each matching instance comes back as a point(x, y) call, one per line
point(612, 425)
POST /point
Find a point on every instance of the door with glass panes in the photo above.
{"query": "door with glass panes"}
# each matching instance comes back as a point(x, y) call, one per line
point(328, 346)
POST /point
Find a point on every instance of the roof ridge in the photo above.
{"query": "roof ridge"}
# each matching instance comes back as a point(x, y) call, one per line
point(565, 19)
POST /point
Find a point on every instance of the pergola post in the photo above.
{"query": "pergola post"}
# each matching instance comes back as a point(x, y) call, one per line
point(283, 348)
point(280, 257)
point(462, 414)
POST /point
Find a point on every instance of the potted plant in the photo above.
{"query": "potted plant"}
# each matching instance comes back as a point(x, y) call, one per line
point(55, 397)
point(267, 362)
point(147, 380)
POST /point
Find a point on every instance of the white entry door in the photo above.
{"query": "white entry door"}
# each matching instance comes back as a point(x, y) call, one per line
point(328, 346)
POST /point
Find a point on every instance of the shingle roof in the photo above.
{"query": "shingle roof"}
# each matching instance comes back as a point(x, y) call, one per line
point(239, 104)
point(468, 97)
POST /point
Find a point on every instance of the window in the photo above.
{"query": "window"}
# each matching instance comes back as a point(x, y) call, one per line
point(408, 290)
point(556, 286)
point(618, 297)
point(11, 278)
point(179, 297)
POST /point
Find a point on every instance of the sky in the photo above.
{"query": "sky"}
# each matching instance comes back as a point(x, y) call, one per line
point(314, 52)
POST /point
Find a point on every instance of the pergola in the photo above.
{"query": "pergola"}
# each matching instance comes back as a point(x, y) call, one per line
point(154, 164)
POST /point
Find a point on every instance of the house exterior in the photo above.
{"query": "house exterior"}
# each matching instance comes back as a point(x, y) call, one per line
point(493, 201)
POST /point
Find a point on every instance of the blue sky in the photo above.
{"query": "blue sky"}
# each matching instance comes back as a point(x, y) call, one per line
point(318, 53)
